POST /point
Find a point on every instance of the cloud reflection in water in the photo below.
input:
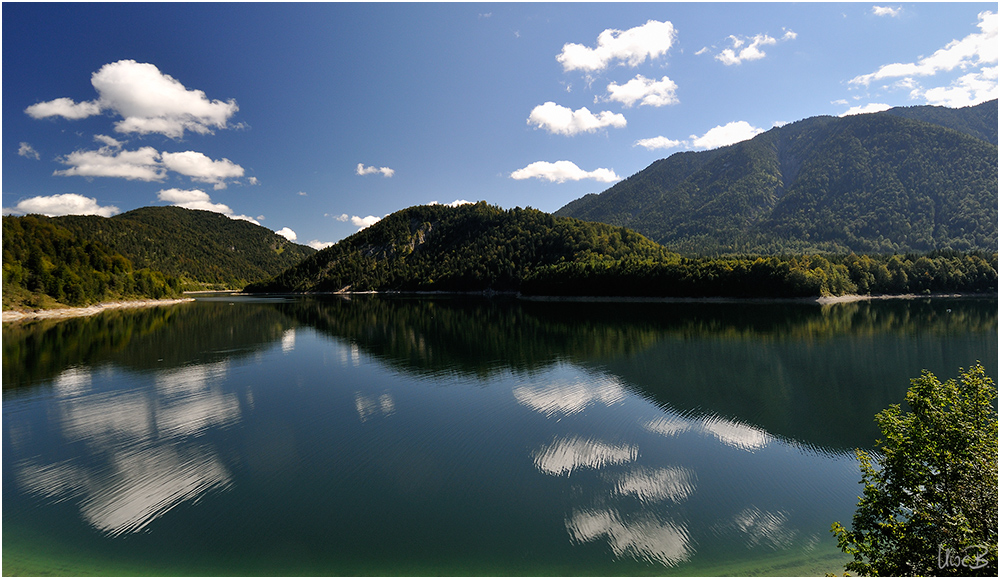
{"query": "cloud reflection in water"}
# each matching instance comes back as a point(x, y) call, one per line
point(564, 456)
point(143, 454)
point(644, 536)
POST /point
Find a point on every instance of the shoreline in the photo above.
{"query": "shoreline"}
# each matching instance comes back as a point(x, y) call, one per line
point(64, 313)
point(61, 313)
point(820, 300)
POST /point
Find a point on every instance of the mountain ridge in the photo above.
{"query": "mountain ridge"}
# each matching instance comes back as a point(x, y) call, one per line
point(871, 174)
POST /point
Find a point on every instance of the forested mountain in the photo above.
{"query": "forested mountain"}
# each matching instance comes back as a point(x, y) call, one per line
point(200, 247)
point(472, 247)
point(45, 264)
point(482, 248)
point(907, 179)
point(150, 252)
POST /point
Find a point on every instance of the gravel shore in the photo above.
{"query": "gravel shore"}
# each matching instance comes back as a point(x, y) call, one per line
point(16, 316)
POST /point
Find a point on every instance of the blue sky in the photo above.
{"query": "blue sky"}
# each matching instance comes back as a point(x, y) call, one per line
point(316, 119)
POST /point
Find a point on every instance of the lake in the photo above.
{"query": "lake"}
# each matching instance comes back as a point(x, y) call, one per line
point(456, 436)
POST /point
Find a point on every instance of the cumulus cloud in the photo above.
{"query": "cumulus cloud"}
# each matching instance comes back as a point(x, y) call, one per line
point(146, 164)
point(287, 233)
point(967, 90)
point(727, 134)
point(318, 245)
point(359, 222)
point(562, 171)
point(864, 109)
point(26, 150)
point(202, 169)
point(743, 50)
point(887, 10)
point(110, 160)
point(63, 107)
point(653, 39)
point(148, 101)
point(645, 91)
point(564, 121)
point(362, 222)
point(198, 199)
point(974, 50)
point(385, 171)
point(658, 143)
point(454, 203)
point(65, 204)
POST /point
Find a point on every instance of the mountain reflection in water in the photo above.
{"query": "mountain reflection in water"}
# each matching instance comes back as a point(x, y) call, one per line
point(661, 435)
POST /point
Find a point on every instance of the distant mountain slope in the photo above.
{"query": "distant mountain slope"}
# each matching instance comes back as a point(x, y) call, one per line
point(882, 182)
point(472, 247)
point(199, 247)
point(979, 121)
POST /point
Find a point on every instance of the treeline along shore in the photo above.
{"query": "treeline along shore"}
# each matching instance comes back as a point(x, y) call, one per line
point(471, 248)
point(482, 248)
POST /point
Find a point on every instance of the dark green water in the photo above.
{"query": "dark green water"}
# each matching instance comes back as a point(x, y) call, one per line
point(235, 436)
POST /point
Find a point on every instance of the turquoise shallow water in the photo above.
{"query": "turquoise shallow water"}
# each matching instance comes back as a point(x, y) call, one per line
point(235, 436)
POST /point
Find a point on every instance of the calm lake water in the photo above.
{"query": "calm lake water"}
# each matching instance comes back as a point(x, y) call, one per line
point(238, 436)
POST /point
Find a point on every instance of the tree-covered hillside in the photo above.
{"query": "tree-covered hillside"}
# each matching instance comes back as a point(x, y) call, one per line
point(150, 252)
point(878, 183)
point(200, 247)
point(484, 248)
point(45, 264)
point(472, 247)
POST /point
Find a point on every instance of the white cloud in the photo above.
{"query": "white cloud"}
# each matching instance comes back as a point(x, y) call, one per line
point(343, 217)
point(887, 10)
point(63, 107)
point(363, 222)
point(645, 91)
point(974, 50)
point(652, 39)
point(146, 164)
point(110, 161)
point(564, 121)
point(303, 194)
point(970, 89)
point(65, 204)
point(727, 134)
point(198, 199)
point(287, 233)
point(658, 143)
point(562, 171)
point(109, 141)
point(752, 51)
point(864, 109)
point(385, 171)
point(147, 100)
point(253, 181)
point(318, 245)
point(202, 169)
point(454, 203)
point(26, 150)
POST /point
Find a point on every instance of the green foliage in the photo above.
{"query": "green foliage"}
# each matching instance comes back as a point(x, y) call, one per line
point(200, 247)
point(930, 506)
point(475, 247)
point(919, 179)
point(480, 248)
point(45, 264)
